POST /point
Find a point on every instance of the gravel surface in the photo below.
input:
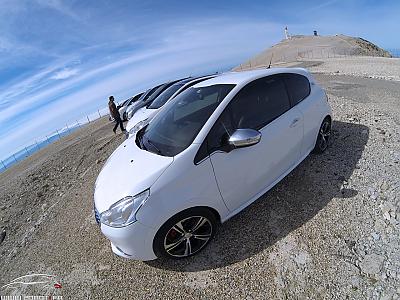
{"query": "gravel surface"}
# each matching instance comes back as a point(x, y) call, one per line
point(370, 67)
point(329, 230)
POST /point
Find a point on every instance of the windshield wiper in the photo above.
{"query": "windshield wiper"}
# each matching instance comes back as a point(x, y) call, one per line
point(154, 146)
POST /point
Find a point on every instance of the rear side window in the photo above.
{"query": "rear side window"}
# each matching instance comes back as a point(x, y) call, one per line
point(259, 103)
point(298, 87)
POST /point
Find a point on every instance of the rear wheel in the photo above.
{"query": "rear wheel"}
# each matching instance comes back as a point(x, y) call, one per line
point(185, 234)
point(323, 136)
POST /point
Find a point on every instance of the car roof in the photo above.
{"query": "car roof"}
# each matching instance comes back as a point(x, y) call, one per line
point(183, 81)
point(243, 77)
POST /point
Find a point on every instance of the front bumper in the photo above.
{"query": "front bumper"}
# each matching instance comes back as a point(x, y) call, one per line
point(133, 242)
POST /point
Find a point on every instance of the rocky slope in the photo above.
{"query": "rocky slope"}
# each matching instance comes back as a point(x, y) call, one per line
point(313, 47)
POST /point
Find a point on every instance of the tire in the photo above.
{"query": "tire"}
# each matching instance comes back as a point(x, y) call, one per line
point(324, 134)
point(185, 234)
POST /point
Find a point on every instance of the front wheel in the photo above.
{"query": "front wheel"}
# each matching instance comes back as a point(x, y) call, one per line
point(323, 136)
point(185, 234)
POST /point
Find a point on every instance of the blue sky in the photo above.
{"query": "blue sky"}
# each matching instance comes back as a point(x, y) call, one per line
point(60, 60)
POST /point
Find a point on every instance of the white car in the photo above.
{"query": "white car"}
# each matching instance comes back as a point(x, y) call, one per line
point(142, 116)
point(133, 107)
point(147, 98)
point(209, 153)
point(124, 106)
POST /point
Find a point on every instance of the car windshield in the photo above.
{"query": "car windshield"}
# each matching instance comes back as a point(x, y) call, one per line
point(154, 94)
point(174, 128)
point(164, 96)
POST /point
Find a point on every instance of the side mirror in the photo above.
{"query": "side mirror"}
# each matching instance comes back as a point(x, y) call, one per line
point(244, 138)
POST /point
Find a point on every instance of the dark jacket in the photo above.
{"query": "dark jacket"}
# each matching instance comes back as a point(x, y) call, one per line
point(113, 110)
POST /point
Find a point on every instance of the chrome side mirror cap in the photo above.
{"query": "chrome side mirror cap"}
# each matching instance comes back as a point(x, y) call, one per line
point(244, 138)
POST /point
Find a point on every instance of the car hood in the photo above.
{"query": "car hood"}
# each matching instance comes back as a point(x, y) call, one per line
point(132, 109)
point(133, 106)
point(122, 109)
point(140, 115)
point(128, 171)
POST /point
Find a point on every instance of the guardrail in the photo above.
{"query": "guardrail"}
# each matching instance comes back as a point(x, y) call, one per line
point(301, 54)
point(41, 142)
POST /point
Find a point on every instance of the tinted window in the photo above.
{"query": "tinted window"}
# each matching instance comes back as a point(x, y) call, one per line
point(164, 96)
point(148, 93)
point(174, 128)
point(221, 131)
point(259, 103)
point(298, 87)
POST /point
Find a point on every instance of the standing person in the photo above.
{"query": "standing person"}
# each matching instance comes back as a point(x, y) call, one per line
point(115, 114)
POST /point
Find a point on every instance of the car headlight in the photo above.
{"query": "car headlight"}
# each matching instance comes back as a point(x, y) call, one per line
point(138, 126)
point(123, 212)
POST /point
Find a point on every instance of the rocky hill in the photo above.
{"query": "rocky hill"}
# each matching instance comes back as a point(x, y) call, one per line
point(301, 47)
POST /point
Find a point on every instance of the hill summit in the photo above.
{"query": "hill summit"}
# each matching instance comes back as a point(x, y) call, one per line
point(301, 47)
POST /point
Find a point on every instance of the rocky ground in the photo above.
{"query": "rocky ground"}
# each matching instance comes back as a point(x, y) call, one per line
point(368, 67)
point(329, 230)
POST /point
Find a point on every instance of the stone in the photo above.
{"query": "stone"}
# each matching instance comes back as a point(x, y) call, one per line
point(371, 264)
point(376, 236)
point(386, 216)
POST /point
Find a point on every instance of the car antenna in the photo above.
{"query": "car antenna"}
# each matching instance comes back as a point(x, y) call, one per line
point(270, 61)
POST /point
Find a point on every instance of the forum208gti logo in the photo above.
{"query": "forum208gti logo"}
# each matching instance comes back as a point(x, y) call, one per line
point(32, 287)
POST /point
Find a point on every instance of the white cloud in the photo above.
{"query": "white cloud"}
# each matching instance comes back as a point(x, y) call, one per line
point(59, 6)
point(64, 74)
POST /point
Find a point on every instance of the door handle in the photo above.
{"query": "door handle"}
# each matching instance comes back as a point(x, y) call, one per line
point(295, 122)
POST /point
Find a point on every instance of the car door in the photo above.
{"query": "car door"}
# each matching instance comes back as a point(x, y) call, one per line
point(306, 100)
point(244, 173)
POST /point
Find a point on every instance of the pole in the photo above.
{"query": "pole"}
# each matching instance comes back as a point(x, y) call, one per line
point(3, 164)
point(59, 136)
point(88, 118)
point(14, 158)
point(99, 113)
point(79, 125)
point(27, 152)
point(67, 127)
point(37, 145)
point(47, 139)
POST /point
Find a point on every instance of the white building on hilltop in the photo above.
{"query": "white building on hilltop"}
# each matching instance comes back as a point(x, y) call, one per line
point(287, 36)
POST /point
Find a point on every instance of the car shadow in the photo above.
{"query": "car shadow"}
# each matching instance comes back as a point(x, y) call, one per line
point(286, 207)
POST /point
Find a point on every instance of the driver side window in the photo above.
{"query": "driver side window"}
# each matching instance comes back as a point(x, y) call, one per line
point(257, 104)
point(220, 132)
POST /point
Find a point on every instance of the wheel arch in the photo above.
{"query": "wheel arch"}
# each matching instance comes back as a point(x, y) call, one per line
point(157, 236)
